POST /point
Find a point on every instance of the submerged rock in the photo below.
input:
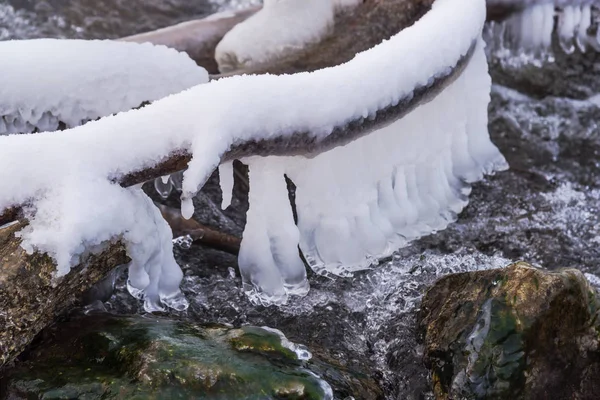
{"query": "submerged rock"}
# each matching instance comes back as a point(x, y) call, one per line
point(109, 357)
point(512, 333)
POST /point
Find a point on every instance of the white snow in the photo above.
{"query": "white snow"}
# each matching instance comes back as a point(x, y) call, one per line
point(401, 182)
point(47, 81)
point(279, 27)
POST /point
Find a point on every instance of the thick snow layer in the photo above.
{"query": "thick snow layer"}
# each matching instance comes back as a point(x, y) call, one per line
point(280, 27)
point(67, 177)
point(47, 81)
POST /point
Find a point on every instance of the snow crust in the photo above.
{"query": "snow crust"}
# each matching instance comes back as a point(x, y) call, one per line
point(47, 81)
point(68, 178)
point(280, 27)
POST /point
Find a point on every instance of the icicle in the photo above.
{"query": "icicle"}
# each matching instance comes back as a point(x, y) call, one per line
point(154, 275)
point(163, 188)
point(226, 182)
point(566, 27)
point(269, 258)
point(582, 38)
point(176, 180)
point(548, 24)
point(187, 207)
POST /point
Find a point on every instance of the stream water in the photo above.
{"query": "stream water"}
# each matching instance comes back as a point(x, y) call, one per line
point(544, 210)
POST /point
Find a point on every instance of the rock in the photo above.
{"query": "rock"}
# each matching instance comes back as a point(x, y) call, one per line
point(111, 357)
point(566, 75)
point(512, 333)
point(31, 297)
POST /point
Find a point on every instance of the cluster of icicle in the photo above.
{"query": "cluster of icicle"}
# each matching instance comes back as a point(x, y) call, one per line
point(530, 31)
point(356, 203)
point(361, 202)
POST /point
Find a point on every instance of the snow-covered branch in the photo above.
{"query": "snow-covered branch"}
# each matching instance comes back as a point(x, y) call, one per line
point(421, 97)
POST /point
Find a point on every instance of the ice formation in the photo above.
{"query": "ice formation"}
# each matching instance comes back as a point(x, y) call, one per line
point(355, 203)
point(532, 26)
point(280, 27)
point(46, 82)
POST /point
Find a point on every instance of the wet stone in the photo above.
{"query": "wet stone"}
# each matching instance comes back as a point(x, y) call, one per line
point(514, 333)
point(109, 357)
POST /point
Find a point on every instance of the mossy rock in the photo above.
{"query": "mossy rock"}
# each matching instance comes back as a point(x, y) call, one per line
point(107, 357)
point(513, 333)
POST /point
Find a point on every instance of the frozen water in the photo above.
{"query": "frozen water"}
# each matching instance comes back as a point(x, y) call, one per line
point(269, 260)
point(281, 27)
point(405, 188)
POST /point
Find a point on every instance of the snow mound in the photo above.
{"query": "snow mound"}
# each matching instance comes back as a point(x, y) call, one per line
point(279, 28)
point(45, 82)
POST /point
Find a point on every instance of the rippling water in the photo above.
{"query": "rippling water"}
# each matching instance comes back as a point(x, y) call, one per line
point(99, 19)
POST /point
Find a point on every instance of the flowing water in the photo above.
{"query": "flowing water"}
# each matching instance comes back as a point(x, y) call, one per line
point(100, 19)
point(544, 210)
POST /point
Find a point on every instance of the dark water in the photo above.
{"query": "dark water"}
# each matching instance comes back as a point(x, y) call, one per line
point(98, 19)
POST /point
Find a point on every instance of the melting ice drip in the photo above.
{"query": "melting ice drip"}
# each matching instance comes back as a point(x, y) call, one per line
point(529, 33)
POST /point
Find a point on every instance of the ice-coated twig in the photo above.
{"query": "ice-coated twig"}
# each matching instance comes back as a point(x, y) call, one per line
point(199, 232)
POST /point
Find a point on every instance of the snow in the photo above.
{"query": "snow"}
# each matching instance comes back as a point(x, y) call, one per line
point(47, 81)
point(408, 180)
point(280, 27)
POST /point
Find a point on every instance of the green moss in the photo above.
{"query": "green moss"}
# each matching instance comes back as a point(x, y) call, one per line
point(156, 359)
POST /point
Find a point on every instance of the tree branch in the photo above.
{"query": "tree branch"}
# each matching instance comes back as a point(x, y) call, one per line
point(356, 30)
